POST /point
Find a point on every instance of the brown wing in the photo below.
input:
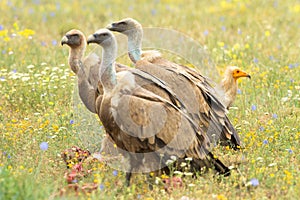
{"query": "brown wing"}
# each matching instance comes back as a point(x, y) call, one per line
point(197, 95)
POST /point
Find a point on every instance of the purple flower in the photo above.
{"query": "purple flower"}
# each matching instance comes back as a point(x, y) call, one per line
point(115, 172)
point(8, 156)
point(44, 146)
point(3, 51)
point(253, 107)
point(43, 43)
point(254, 182)
point(101, 186)
point(206, 32)
point(153, 12)
point(290, 151)
point(2, 78)
point(275, 116)
point(239, 31)
point(291, 66)
point(255, 60)
point(261, 128)
point(71, 121)
point(1, 27)
point(52, 14)
point(239, 91)
point(54, 42)
point(265, 142)
point(14, 70)
point(223, 28)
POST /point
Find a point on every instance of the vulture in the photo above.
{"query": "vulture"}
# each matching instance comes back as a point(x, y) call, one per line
point(150, 128)
point(193, 89)
point(229, 83)
point(86, 69)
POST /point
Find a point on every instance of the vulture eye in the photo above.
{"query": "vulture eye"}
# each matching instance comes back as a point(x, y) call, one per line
point(238, 71)
point(123, 23)
point(104, 34)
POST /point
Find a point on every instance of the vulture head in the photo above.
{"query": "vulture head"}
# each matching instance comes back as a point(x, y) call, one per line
point(74, 38)
point(230, 85)
point(236, 73)
point(125, 26)
point(103, 37)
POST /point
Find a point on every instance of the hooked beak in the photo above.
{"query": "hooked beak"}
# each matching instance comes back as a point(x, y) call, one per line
point(91, 39)
point(64, 40)
point(113, 27)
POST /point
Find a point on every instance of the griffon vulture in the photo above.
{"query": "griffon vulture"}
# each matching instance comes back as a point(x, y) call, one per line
point(190, 86)
point(147, 126)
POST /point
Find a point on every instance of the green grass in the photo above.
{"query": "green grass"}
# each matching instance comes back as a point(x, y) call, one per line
point(36, 95)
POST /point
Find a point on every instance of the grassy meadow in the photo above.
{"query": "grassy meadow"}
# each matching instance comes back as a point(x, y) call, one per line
point(39, 121)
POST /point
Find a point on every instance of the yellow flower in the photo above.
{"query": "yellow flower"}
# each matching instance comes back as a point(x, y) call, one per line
point(16, 26)
point(221, 197)
point(26, 32)
point(3, 33)
point(267, 33)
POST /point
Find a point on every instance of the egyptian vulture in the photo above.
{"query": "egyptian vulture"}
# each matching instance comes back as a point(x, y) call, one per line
point(229, 84)
point(191, 87)
point(150, 128)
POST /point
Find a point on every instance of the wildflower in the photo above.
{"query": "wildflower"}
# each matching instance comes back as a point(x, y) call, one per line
point(206, 32)
point(239, 91)
point(54, 42)
point(290, 151)
point(26, 32)
point(253, 107)
point(115, 172)
point(223, 28)
point(184, 198)
point(239, 31)
point(1, 27)
point(8, 156)
point(267, 33)
point(254, 182)
point(275, 116)
point(265, 142)
point(153, 12)
point(261, 128)
point(44, 146)
point(101, 186)
point(71, 121)
point(255, 60)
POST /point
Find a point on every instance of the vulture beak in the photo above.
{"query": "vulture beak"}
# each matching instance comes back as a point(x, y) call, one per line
point(91, 39)
point(64, 40)
point(242, 74)
point(112, 27)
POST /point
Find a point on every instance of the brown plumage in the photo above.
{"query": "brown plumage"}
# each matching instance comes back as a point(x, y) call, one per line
point(191, 87)
point(145, 125)
point(229, 84)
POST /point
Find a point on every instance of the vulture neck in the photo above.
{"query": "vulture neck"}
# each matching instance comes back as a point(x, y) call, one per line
point(75, 57)
point(229, 85)
point(135, 44)
point(107, 72)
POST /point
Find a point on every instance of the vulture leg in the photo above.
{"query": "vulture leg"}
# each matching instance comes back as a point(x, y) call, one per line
point(128, 177)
